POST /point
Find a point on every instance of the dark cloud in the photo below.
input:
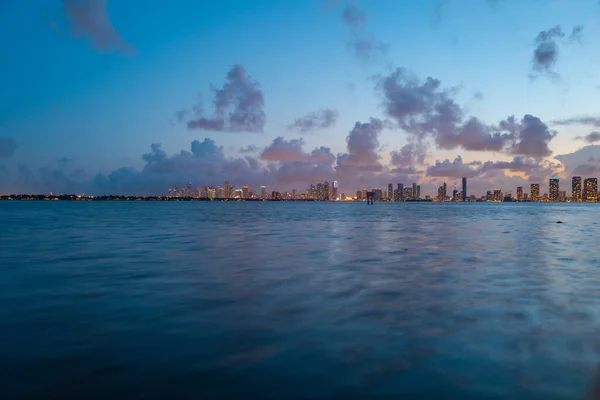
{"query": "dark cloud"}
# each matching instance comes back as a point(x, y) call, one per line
point(249, 149)
point(438, 13)
point(545, 53)
point(409, 155)
point(363, 143)
point(352, 16)
point(364, 46)
point(478, 96)
point(583, 120)
point(586, 170)
point(547, 46)
point(292, 151)
point(531, 136)
point(576, 34)
point(451, 169)
point(325, 118)
point(7, 147)
point(591, 137)
point(90, 18)
point(425, 109)
point(238, 106)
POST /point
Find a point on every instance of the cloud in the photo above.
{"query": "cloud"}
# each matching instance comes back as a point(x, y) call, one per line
point(438, 13)
point(63, 162)
point(451, 169)
point(363, 143)
point(353, 17)
point(574, 161)
point(545, 53)
point(291, 150)
point(409, 155)
point(424, 109)
point(249, 149)
point(90, 18)
point(547, 46)
point(582, 120)
point(526, 165)
point(238, 106)
point(325, 118)
point(591, 137)
point(531, 135)
point(586, 170)
point(7, 147)
point(576, 34)
point(365, 47)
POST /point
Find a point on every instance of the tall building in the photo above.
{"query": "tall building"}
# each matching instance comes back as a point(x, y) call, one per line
point(401, 191)
point(408, 194)
point(418, 192)
point(294, 194)
point(455, 195)
point(263, 192)
point(414, 191)
point(590, 190)
point(488, 196)
point(553, 192)
point(464, 189)
point(497, 195)
point(390, 193)
point(534, 190)
point(245, 192)
point(334, 191)
point(576, 189)
point(520, 193)
point(442, 192)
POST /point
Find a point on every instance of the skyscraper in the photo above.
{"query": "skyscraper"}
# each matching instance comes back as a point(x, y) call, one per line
point(535, 192)
point(520, 193)
point(401, 191)
point(418, 192)
point(414, 191)
point(334, 191)
point(245, 192)
point(464, 189)
point(390, 194)
point(263, 192)
point(590, 190)
point(576, 189)
point(553, 192)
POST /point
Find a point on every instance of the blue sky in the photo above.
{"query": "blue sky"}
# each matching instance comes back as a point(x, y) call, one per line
point(66, 93)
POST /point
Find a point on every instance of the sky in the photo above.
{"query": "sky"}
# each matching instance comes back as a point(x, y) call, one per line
point(134, 97)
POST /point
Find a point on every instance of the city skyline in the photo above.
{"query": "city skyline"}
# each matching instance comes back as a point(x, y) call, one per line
point(152, 102)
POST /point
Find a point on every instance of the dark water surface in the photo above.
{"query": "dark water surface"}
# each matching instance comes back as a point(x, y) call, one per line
point(136, 300)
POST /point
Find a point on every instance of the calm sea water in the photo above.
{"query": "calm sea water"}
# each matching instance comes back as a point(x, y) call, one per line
point(298, 300)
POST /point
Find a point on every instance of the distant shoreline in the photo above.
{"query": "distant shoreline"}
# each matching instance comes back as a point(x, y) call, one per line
point(23, 197)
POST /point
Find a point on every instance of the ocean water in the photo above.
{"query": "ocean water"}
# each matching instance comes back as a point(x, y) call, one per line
point(237, 300)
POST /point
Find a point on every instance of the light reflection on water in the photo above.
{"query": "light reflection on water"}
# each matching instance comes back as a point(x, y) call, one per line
point(285, 300)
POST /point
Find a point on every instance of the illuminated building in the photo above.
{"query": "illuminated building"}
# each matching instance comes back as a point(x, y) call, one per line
point(245, 192)
point(464, 189)
point(276, 196)
point(535, 192)
point(334, 191)
point(263, 192)
point(294, 194)
point(414, 191)
point(524, 196)
point(378, 194)
point(520, 193)
point(576, 189)
point(189, 190)
point(418, 192)
point(590, 190)
point(455, 195)
point(390, 192)
point(407, 193)
point(562, 196)
point(488, 196)
point(400, 192)
point(553, 192)
point(497, 195)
